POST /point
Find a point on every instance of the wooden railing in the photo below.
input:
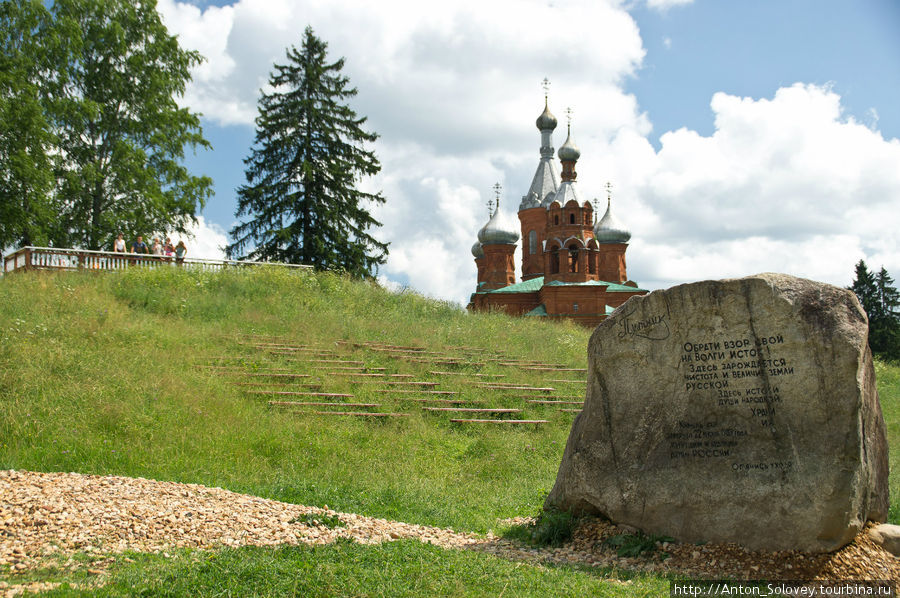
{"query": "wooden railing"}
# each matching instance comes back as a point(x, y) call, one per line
point(51, 258)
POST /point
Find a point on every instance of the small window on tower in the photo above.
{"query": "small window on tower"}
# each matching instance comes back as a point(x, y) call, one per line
point(556, 219)
point(532, 242)
point(575, 308)
point(572, 218)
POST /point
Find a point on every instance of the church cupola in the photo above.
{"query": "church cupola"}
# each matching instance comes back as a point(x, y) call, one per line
point(546, 121)
point(498, 245)
point(612, 240)
point(569, 153)
point(609, 229)
point(544, 185)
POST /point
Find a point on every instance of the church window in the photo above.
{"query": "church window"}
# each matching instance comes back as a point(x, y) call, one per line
point(532, 242)
point(554, 261)
point(572, 218)
point(556, 219)
point(573, 258)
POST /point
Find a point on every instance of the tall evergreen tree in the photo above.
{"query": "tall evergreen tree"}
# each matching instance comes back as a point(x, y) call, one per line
point(301, 194)
point(880, 299)
point(884, 326)
point(864, 287)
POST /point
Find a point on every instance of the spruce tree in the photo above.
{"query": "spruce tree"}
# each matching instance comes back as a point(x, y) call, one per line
point(884, 326)
point(309, 153)
point(881, 300)
point(865, 289)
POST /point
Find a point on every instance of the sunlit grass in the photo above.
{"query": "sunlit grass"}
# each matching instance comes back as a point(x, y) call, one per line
point(97, 375)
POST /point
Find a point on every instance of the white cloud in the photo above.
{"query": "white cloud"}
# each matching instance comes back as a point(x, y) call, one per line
point(786, 183)
point(664, 5)
point(205, 240)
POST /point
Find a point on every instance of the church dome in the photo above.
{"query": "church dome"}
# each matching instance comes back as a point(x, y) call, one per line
point(609, 229)
point(477, 251)
point(495, 233)
point(569, 152)
point(546, 121)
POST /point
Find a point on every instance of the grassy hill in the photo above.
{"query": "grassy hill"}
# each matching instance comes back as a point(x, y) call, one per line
point(105, 374)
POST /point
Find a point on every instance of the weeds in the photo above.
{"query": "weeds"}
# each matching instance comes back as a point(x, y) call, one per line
point(551, 528)
point(319, 520)
point(634, 545)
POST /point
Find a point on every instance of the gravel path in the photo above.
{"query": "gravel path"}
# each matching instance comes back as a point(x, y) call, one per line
point(47, 514)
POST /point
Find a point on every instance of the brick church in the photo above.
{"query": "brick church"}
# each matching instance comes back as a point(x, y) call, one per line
point(572, 267)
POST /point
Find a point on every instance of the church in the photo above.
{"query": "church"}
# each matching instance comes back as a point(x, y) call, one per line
point(573, 267)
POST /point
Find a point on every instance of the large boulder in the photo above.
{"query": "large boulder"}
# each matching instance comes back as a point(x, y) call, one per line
point(738, 411)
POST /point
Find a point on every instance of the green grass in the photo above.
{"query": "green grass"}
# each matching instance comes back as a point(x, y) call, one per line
point(401, 568)
point(97, 376)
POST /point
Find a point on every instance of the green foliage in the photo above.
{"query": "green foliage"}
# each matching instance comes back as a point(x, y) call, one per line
point(345, 568)
point(634, 545)
point(97, 376)
point(881, 300)
point(95, 81)
point(551, 527)
point(27, 208)
point(319, 520)
point(301, 195)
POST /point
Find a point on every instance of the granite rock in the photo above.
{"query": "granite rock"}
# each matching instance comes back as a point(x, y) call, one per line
point(739, 410)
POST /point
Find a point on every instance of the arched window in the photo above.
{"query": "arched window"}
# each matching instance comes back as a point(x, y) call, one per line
point(556, 219)
point(573, 258)
point(532, 242)
point(554, 261)
point(572, 218)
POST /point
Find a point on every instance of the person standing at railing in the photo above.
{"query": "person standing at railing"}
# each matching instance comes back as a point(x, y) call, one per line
point(119, 244)
point(139, 246)
point(168, 248)
point(156, 248)
point(180, 251)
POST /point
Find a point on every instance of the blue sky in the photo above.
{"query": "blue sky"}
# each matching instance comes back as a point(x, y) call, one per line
point(739, 136)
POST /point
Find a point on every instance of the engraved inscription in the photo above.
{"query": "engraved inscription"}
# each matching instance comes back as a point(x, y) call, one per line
point(731, 376)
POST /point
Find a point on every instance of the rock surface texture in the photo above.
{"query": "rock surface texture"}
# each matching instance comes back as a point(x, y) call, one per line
point(739, 411)
point(887, 536)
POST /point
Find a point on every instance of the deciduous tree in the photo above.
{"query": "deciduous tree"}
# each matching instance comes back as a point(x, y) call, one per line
point(93, 88)
point(27, 212)
point(309, 154)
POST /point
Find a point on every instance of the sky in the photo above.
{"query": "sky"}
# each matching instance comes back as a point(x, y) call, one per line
point(739, 137)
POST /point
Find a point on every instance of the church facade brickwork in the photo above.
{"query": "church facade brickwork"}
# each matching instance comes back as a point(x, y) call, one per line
point(573, 265)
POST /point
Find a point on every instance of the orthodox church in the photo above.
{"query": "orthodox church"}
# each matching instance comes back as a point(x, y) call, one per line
point(572, 267)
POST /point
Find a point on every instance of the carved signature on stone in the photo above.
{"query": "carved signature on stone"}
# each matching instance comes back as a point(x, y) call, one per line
point(654, 328)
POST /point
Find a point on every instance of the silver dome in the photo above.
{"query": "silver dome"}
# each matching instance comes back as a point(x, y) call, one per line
point(609, 229)
point(494, 233)
point(477, 251)
point(546, 121)
point(569, 152)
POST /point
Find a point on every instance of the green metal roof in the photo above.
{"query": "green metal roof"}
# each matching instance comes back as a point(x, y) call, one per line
point(611, 287)
point(540, 310)
point(526, 286)
point(534, 285)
